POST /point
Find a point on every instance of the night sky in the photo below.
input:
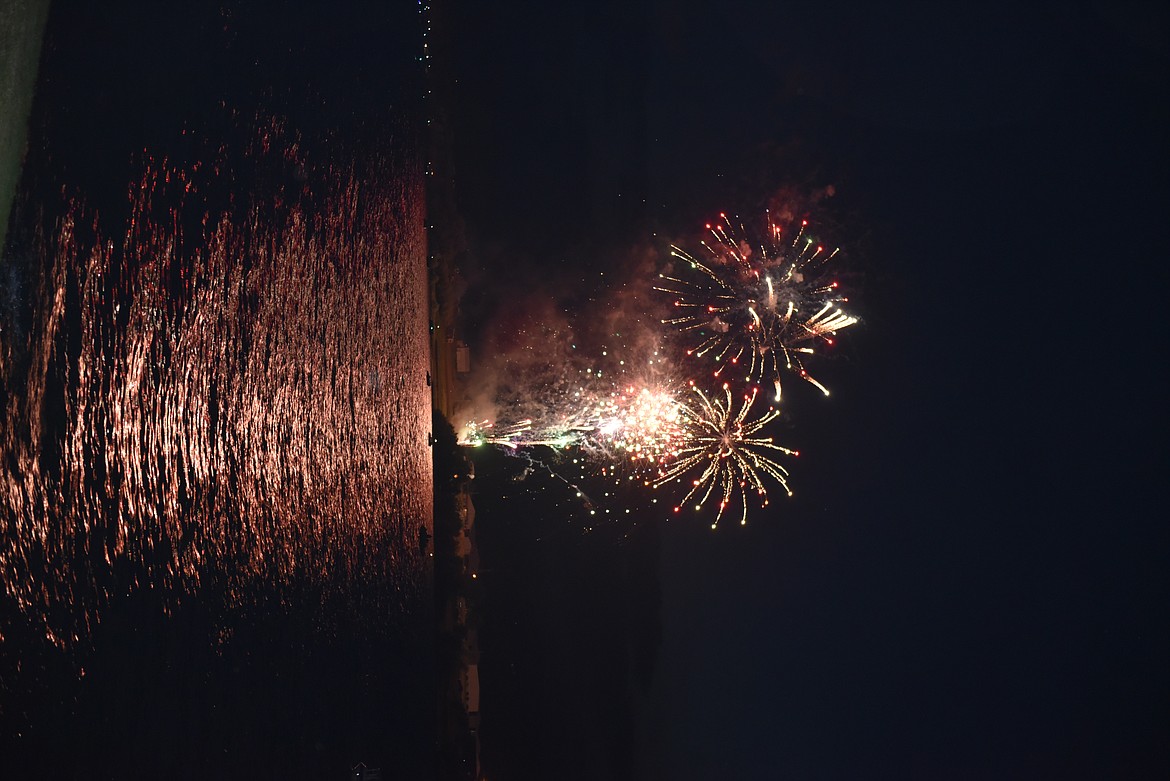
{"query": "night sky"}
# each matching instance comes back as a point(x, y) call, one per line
point(970, 580)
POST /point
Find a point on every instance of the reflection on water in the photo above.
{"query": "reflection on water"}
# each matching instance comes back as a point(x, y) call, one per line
point(225, 392)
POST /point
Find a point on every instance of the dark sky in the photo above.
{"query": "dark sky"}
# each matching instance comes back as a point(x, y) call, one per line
point(970, 581)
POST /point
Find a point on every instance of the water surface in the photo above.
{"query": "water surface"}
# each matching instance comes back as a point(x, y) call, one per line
point(214, 463)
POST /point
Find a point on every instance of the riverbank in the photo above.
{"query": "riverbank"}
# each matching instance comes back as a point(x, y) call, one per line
point(455, 555)
point(454, 550)
point(456, 587)
point(22, 27)
point(456, 610)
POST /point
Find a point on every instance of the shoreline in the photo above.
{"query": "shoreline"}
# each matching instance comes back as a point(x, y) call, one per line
point(456, 559)
point(22, 23)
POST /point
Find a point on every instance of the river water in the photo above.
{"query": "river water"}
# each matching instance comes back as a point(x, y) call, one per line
point(214, 465)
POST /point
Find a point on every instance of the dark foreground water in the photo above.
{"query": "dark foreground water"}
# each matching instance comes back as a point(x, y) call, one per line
point(214, 465)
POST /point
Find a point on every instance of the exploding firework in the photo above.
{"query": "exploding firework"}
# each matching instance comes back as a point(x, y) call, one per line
point(761, 310)
point(724, 445)
point(641, 426)
point(632, 421)
point(623, 408)
point(636, 423)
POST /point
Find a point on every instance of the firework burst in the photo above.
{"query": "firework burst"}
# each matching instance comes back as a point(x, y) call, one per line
point(759, 310)
point(724, 445)
point(631, 421)
point(641, 425)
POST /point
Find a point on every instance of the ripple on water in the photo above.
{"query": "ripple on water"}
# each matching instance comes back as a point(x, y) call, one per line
point(226, 393)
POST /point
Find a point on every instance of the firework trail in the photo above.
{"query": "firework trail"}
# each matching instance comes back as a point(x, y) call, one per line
point(618, 411)
point(757, 310)
point(631, 422)
point(724, 444)
point(517, 435)
point(646, 432)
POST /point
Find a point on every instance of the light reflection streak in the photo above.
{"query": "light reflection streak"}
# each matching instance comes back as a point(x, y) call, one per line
point(230, 391)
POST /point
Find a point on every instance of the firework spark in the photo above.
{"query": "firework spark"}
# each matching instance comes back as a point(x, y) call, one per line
point(633, 422)
point(766, 308)
point(516, 435)
point(641, 425)
point(724, 445)
point(624, 410)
